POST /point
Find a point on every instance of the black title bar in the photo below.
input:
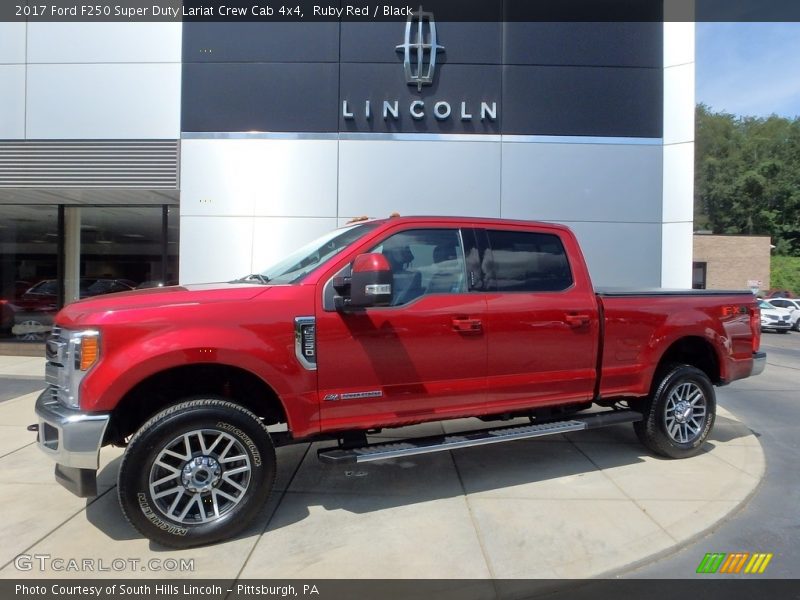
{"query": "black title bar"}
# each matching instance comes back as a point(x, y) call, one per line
point(709, 588)
point(394, 10)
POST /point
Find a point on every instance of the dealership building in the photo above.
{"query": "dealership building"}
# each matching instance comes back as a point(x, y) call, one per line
point(139, 153)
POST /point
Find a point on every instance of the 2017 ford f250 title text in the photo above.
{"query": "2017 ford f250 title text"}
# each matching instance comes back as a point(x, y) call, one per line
point(377, 325)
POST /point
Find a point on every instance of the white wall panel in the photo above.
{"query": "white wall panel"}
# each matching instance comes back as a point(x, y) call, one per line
point(300, 178)
point(678, 199)
point(377, 178)
point(582, 182)
point(104, 101)
point(621, 254)
point(679, 182)
point(12, 43)
point(104, 42)
point(12, 101)
point(679, 104)
point(678, 43)
point(219, 177)
point(676, 255)
point(274, 237)
point(215, 248)
point(259, 177)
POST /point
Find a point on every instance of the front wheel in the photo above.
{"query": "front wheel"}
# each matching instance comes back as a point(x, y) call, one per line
point(196, 473)
point(679, 413)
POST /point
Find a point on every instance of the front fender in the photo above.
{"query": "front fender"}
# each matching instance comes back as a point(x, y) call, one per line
point(127, 361)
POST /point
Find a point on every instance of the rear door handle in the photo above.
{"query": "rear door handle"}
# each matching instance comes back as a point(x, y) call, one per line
point(577, 320)
point(467, 325)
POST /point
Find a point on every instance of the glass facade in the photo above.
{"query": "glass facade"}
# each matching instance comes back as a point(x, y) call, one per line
point(53, 255)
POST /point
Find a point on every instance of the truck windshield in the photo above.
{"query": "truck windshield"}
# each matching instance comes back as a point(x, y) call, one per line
point(301, 262)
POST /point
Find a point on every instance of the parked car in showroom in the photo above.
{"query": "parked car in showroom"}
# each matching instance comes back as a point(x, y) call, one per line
point(790, 304)
point(774, 319)
point(34, 310)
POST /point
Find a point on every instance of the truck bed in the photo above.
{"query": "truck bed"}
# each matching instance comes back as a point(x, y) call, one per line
point(639, 324)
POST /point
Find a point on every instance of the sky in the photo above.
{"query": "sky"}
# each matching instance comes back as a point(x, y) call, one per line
point(749, 69)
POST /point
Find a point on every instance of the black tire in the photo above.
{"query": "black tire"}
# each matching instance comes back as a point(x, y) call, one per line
point(196, 446)
point(670, 428)
point(782, 331)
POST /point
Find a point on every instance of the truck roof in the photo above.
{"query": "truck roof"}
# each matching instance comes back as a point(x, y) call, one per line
point(464, 221)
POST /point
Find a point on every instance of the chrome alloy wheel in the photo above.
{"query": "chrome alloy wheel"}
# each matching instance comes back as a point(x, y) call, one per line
point(200, 476)
point(685, 414)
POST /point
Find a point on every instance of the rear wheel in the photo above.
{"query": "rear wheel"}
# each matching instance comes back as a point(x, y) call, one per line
point(679, 413)
point(196, 473)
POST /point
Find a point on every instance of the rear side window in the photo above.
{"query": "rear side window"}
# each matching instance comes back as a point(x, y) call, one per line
point(520, 261)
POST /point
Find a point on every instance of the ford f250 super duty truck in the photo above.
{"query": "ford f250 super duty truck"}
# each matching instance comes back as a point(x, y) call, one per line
point(376, 325)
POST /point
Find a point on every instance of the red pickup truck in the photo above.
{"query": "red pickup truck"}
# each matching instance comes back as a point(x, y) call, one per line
point(376, 325)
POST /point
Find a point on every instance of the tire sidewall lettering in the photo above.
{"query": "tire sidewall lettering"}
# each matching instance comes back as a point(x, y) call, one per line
point(244, 438)
point(151, 516)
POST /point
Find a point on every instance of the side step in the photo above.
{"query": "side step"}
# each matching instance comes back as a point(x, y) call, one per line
point(438, 443)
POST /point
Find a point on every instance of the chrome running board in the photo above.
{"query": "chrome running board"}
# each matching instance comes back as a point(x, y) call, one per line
point(453, 441)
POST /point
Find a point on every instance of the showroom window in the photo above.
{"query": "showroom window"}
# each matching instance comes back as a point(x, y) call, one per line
point(53, 255)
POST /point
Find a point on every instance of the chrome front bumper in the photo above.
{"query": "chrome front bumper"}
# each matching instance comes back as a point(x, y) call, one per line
point(759, 362)
point(70, 437)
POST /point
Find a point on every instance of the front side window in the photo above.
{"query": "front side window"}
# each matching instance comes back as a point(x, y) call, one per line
point(424, 261)
point(521, 261)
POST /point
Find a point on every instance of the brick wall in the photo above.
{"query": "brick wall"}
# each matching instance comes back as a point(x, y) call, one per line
point(733, 260)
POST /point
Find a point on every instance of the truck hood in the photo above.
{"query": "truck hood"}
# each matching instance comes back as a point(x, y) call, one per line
point(161, 297)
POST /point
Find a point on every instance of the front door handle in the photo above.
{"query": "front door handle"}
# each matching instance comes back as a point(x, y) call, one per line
point(467, 325)
point(577, 320)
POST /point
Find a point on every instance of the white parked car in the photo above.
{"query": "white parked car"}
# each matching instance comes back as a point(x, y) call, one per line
point(792, 305)
point(776, 319)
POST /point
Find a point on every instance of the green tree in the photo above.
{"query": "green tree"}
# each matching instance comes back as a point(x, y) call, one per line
point(747, 176)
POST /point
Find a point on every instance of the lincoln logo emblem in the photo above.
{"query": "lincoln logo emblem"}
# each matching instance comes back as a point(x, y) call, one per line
point(420, 45)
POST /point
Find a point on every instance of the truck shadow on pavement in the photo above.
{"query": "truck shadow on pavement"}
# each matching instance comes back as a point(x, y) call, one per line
point(569, 466)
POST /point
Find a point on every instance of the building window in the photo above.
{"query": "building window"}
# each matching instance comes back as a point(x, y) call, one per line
point(699, 275)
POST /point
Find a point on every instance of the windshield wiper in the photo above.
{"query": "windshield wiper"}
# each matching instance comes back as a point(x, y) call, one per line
point(252, 277)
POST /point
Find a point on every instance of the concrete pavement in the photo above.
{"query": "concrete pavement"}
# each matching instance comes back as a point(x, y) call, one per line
point(770, 520)
point(568, 506)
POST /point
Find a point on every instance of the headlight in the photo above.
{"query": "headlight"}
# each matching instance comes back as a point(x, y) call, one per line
point(87, 349)
point(70, 355)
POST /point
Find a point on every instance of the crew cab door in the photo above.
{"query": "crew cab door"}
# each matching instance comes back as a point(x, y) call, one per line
point(542, 322)
point(422, 356)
